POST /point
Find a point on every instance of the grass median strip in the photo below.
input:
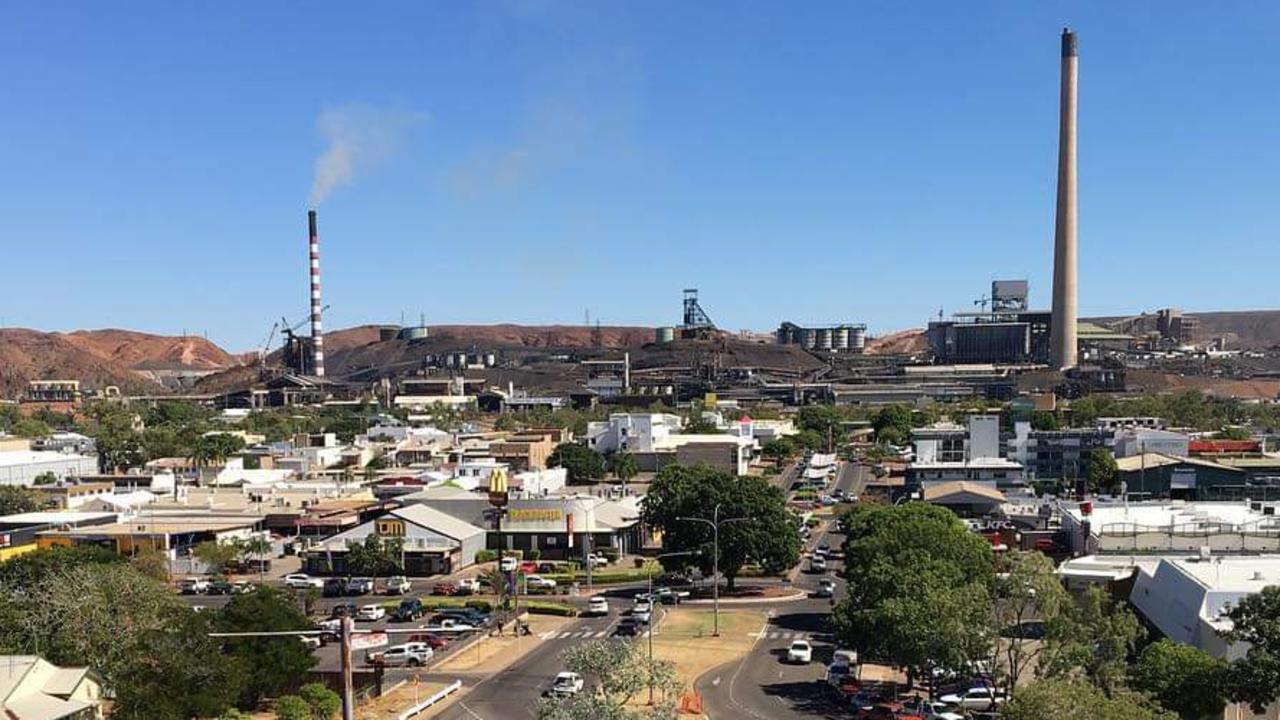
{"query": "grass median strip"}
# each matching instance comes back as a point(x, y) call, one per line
point(684, 637)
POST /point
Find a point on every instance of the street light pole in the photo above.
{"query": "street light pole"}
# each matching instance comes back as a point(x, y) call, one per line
point(715, 524)
point(651, 613)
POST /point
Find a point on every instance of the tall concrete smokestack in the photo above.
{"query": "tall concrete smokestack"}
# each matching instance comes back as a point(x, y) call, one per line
point(317, 336)
point(1063, 335)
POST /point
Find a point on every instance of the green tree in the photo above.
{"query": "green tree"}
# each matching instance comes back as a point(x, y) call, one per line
point(769, 539)
point(16, 499)
point(1029, 592)
point(45, 478)
point(1075, 700)
point(218, 556)
point(10, 415)
point(810, 440)
point(822, 419)
point(323, 702)
point(892, 424)
point(581, 463)
point(376, 556)
point(1101, 471)
point(277, 662)
point(1234, 432)
point(292, 707)
point(778, 450)
point(1183, 679)
point(919, 588)
point(1255, 619)
point(621, 671)
point(24, 571)
point(1042, 420)
point(31, 428)
point(623, 465)
point(177, 672)
point(151, 562)
point(1094, 641)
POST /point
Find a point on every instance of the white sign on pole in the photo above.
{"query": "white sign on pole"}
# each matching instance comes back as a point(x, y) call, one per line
point(368, 640)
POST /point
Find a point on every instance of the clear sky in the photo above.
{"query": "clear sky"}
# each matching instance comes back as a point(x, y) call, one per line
point(526, 160)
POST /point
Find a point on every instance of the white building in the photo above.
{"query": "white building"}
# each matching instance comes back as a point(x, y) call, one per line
point(1171, 526)
point(1130, 443)
point(631, 432)
point(947, 453)
point(21, 467)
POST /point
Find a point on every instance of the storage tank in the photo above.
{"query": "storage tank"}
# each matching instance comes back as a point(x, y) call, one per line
point(462, 360)
point(418, 332)
point(664, 335)
point(808, 338)
point(388, 332)
point(823, 339)
point(490, 359)
point(449, 360)
point(858, 338)
point(841, 340)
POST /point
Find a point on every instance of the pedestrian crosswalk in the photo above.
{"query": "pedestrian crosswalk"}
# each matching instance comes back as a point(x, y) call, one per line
point(779, 635)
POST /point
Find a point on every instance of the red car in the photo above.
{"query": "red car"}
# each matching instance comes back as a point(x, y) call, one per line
point(444, 589)
point(434, 641)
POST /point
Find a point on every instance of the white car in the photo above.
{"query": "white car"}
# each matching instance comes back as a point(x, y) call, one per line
point(846, 656)
point(508, 564)
point(642, 615)
point(311, 642)
point(194, 586)
point(930, 709)
point(818, 564)
point(452, 625)
point(645, 605)
point(597, 560)
point(302, 581)
point(800, 652)
point(975, 698)
point(413, 654)
point(537, 582)
point(398, 585)
point(566, 684)
point(370, 613)
point(598, 605)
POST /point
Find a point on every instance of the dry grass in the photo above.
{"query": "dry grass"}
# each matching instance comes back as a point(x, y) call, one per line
point(684, 637)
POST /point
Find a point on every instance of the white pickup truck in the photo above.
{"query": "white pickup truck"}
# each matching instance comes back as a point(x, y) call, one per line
point(413, 654)
point(450, 625)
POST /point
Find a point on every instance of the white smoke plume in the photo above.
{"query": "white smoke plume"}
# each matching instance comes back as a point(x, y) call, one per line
point(357, 139)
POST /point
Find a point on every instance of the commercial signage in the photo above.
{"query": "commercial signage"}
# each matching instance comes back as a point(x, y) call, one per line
point(535, 515)
point(367, 640)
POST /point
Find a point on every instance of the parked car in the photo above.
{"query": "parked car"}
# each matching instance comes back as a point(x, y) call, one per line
point(409, 609)
point(800, 652)
point(508, 564)
point(371, 613)
point(194, 586)
point(359, 586)
point(444, 588)
point(642, 615)
point(667, 596)
point(837, 673)
point(334, 587)
point(435, 641)
point(342, 610)
point(930, 709)
point(221, 587)
point(566, 684)
point(240, 587)
point(470, 586)
point(302, 581)
point(455, 625)
point(398, 585)
point(826, 588)
point(311, 642)
point(474, 616)
point(845, 655)
point(597, 560)
point(413, 654)
point(979, 697)
point(537, 582)
point(598, 605)
point(889, 710)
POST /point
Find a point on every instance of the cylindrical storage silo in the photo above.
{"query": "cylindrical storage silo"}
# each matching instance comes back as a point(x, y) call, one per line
point(841, 340)
point(490, 359)
point(823, 339)
point(808, 338)
point(462, 360)
point(858, 338)
point(449, 359)
point(664, 335)
point(388, 332)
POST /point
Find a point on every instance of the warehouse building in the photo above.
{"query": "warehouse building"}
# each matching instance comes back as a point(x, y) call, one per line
point(435, 543)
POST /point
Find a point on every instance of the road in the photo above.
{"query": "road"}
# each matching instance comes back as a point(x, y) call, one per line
point(763, 686)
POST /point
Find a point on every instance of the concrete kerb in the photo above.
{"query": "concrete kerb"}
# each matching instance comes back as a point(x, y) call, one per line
point(797, 595)
point(448, 689)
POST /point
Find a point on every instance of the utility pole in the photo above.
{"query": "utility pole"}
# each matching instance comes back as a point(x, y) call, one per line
point(348, 682)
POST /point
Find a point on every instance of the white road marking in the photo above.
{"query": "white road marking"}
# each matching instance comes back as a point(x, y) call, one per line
point(469, 711)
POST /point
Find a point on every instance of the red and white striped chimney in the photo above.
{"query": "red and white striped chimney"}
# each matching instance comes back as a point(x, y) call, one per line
point(317, 336)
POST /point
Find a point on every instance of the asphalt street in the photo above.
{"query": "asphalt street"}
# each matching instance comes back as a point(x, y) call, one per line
point(763, 686)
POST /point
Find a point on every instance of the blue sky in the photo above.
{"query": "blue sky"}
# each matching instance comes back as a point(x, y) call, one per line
point(525, 160)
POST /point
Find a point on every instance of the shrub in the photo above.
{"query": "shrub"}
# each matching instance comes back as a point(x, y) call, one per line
point(535, 554)
point(548, 608)
point(639, 563)
point(484, 556)
point(292, 707)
